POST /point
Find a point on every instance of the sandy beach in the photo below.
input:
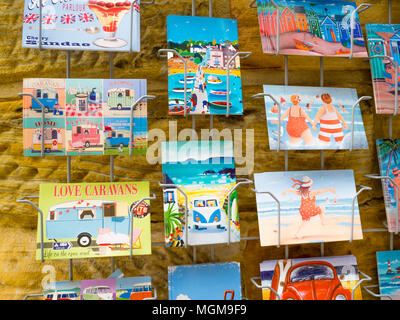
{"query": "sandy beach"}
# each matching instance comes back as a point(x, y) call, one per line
point(335, 229)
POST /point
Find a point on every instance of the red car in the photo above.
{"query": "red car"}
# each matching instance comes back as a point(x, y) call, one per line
point(310, 280)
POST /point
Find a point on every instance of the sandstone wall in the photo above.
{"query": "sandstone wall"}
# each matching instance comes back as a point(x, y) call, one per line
point(20, 274)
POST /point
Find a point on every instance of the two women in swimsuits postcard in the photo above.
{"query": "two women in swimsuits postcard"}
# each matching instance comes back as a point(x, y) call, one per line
point(313, 118)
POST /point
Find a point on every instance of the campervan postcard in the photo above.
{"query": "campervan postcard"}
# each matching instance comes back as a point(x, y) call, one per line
point(208, 46)
point(384, 40)
point(389, 163)
point(388, 263)
point(214, 281)
point(98, 289)
point(311, 28)
point(88, 220)
point(315, 206)
point(96, 25)
point(201, 178)
point(323, 278)
point(134, 288)
point(314, 118)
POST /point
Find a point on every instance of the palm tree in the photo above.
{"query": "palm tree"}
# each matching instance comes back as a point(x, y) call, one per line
point(389, 149)
point(172, 219)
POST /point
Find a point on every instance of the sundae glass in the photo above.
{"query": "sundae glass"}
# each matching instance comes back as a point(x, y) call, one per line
point(110, 13)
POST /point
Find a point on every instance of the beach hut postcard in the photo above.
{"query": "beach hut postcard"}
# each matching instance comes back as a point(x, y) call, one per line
point(315, 206)
point(384, 40)
point(84, 97)
point(311, 28)
point(388, 263)
point(389, 164)
point(214, 281)
point(207, 45)
point(204, 171)
point(324, 278)
point(98, 289)
point(119, 95)
point(88, 220)
point(314, 118)
point(99, 25)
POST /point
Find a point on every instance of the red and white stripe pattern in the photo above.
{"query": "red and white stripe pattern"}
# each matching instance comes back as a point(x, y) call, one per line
point(330, 128)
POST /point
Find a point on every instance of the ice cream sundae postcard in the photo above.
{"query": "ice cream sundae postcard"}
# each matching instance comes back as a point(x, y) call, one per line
point(101, 25)
point(88, 220)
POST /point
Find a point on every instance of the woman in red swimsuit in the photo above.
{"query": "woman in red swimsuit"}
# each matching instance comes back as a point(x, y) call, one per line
point(297, 127)
point(308, 207)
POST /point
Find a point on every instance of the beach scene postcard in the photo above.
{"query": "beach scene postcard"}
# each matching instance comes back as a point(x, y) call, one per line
point(384, 40)
point(97, 25)
point(314, 118)
point(214, 281)
point(89, 220)
point(388, 263)
point(389, 163)
point(204, 172)
point(208, 46)
point(315, 206)
point(324, 278)
point(311, 28)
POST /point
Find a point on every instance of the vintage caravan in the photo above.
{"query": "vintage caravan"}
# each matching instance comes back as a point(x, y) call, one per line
point(115, 139)
point(120, 98)
point(97, 293)
point(83, 220)
point(47, 97)
point(53, 139)
point(141, 291)
point(87, 137)
point(62, 295)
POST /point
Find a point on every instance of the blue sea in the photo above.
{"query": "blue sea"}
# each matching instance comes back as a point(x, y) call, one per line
point(291, 208)
point(389, 286)
point(194, 173)
point(235, 97)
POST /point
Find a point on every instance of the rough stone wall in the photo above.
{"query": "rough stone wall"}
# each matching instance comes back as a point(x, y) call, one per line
point(21, 274)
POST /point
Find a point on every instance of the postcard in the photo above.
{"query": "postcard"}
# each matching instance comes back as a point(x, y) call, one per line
point(324, 278)
point(87, 220)
point(315, 206)
point(204, 172)
point(384, 40)
point(389, 274)
point(119, 288)
point(216, 281)
point(101, 25)
point(208, 45)
point(84, 116)
point(314, 118)
point(311, 28)
point(388, 157)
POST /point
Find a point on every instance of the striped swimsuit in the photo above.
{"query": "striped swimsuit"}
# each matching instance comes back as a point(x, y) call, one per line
point(330, 125)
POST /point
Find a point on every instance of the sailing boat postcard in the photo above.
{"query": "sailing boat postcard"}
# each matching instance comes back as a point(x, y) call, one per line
point(384, 40)
point(214, 281)
point(204, 172)
point(101, 25)
point(315, 206)
point(389, 164)
point(208, 46)
point(88, 220)
point(324, 278)
point(311, 28)
point(314, 118)
point(389, 274)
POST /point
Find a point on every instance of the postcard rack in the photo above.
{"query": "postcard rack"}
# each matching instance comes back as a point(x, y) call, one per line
point(26, 199)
